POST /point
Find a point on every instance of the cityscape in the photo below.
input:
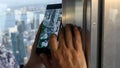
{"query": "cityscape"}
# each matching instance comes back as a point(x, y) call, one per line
point(18, 30)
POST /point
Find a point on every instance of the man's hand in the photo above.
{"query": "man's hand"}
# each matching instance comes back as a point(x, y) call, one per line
point(67, 49)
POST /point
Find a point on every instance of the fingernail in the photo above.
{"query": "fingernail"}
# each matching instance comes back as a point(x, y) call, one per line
point(53, 36)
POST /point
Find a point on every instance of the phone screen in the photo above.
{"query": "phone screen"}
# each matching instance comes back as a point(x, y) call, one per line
point(50, 25)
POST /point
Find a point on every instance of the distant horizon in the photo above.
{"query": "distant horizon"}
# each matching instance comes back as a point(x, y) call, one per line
point(32, 5)
point(16, 3)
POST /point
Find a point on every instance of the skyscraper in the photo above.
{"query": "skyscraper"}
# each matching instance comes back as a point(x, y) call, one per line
point(24, 20)
point(37, 21)
point(2, 16)
point(20, 26)
point(21, 21)
point(15, 46)
point(10, 19)
point(18, 47)
point(21, 46)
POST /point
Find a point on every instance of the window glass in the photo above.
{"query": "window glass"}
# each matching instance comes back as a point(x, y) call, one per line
point(19, 22)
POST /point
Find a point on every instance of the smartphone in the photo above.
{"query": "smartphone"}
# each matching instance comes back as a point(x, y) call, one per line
point(51, 24)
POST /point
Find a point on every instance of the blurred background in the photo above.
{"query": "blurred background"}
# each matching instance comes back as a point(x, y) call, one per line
point(19, 22)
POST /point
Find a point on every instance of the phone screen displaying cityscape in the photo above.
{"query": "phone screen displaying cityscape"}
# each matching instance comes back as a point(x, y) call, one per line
point(50, 25)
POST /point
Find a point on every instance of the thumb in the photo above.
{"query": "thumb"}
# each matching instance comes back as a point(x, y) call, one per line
point(45, 60)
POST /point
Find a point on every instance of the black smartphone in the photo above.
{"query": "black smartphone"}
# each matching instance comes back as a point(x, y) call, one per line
point(51, 24)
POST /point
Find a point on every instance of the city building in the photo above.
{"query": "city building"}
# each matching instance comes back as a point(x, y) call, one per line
point(18, 47)
point(10, 19)
point(19, 29)
point(15, 46)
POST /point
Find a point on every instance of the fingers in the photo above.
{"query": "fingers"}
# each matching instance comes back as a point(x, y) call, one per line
point(67, 40)
point(53, 43)
point(45, 60)
point(77, 39)
point(68, 36)
point(61, 39)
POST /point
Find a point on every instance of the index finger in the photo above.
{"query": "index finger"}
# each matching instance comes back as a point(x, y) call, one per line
point(53, 43)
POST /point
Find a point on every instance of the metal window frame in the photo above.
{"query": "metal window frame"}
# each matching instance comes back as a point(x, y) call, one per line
point(94, 34)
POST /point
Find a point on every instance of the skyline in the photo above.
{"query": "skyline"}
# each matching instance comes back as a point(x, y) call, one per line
point(6, 5)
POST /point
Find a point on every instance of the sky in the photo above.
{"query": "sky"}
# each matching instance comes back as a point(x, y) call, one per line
point(17, 3)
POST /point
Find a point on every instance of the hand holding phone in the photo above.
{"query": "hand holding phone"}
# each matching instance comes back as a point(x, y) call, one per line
point(51, 25)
